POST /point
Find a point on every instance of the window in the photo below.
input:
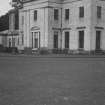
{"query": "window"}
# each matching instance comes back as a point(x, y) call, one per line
point(36, 42)
point(22, 39)
point(18, 40)
point(22, 20)
point(98, 39)
point(81, 39)
point(35, 15)
point(13, 42)
point(99, 9)
point(66, 14)
point(10, 42)
point(66, 39)
point(81, 12)
point(55, 39)
point(55, 14)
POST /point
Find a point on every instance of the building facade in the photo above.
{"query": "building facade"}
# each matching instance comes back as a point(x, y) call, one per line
point(60, 24)
point(10, 37)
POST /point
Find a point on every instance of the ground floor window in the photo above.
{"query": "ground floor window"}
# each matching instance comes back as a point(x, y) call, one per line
point(22, 39)
point(10, 42)
point(18, 40)
point(66, 39)
point(55, 39)
point(98, 39)
point(81, 39)
point(35, 39)
point(36, 42)
point(13, 42)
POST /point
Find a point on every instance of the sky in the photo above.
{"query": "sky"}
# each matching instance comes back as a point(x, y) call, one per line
point(4, 6)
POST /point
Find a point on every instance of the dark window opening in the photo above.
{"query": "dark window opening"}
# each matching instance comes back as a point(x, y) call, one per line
point(55, 14)
point(66, 39)
point(98, 39)
point(81, 12)
point(66, 14)
point(35, 15)
point(36, 42)
point(56, 40)
point(81, 39)
point(99, 11)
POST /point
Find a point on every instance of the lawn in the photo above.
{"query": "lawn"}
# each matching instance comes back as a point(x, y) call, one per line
point(52, 81)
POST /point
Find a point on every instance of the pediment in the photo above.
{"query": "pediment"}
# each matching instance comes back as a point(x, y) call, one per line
point(35, 28)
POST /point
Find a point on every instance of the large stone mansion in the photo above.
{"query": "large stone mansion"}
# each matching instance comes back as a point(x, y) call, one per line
point(60, 24)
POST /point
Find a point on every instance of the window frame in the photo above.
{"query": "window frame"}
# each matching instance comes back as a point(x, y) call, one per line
point(35, 15)
point(67, 13)
point(55, 39)
point(81, 44)
point(67, 41)
point(99, 12)
point(81, 12)
point(56, 14)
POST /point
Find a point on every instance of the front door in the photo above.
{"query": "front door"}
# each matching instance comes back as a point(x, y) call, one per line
point(98, 39)
point(35, 40)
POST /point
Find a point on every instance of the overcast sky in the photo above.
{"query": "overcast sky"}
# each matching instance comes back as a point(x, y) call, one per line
point(4, 6)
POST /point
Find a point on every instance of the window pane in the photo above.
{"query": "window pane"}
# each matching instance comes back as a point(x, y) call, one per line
point(81, 39)
point(22, 20)
point(36, 42)
point(66, 39)
point(13, 42)
point(35, 15)
point(98, 39)
point(55, 39)
point(67, 14)
point(81, 12)
point(55, 14)
point(99, 12)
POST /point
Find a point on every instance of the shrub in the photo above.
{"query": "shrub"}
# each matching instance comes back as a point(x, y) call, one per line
point(65, 51)
point(43, 51)
point(28, 50)
point(14, 50)
point(57, 51)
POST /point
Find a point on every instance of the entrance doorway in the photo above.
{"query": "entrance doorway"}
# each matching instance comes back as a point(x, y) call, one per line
point(35, 40)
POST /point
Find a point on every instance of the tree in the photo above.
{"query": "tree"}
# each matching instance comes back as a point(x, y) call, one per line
point(4, 22)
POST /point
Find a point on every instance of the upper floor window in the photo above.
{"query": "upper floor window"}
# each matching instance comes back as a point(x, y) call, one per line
point(81, 12)
point(99, 10)
point(55, 14)
point(22, 20)
point(66, 14)
point(35, 15)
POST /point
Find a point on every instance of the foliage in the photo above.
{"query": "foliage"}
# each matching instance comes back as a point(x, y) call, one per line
point(4, 22)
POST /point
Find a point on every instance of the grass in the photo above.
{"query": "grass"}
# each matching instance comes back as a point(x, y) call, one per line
point(52, 81)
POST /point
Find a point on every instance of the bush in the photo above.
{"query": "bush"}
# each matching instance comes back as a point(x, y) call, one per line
point(65, 51)
point(14, 50)
point(97, 52)
point(28, 50)
point(10, 49)
point(43, 51)
point(57, 51)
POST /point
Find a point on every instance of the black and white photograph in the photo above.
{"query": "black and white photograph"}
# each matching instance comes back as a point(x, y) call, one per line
point(52, 52)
